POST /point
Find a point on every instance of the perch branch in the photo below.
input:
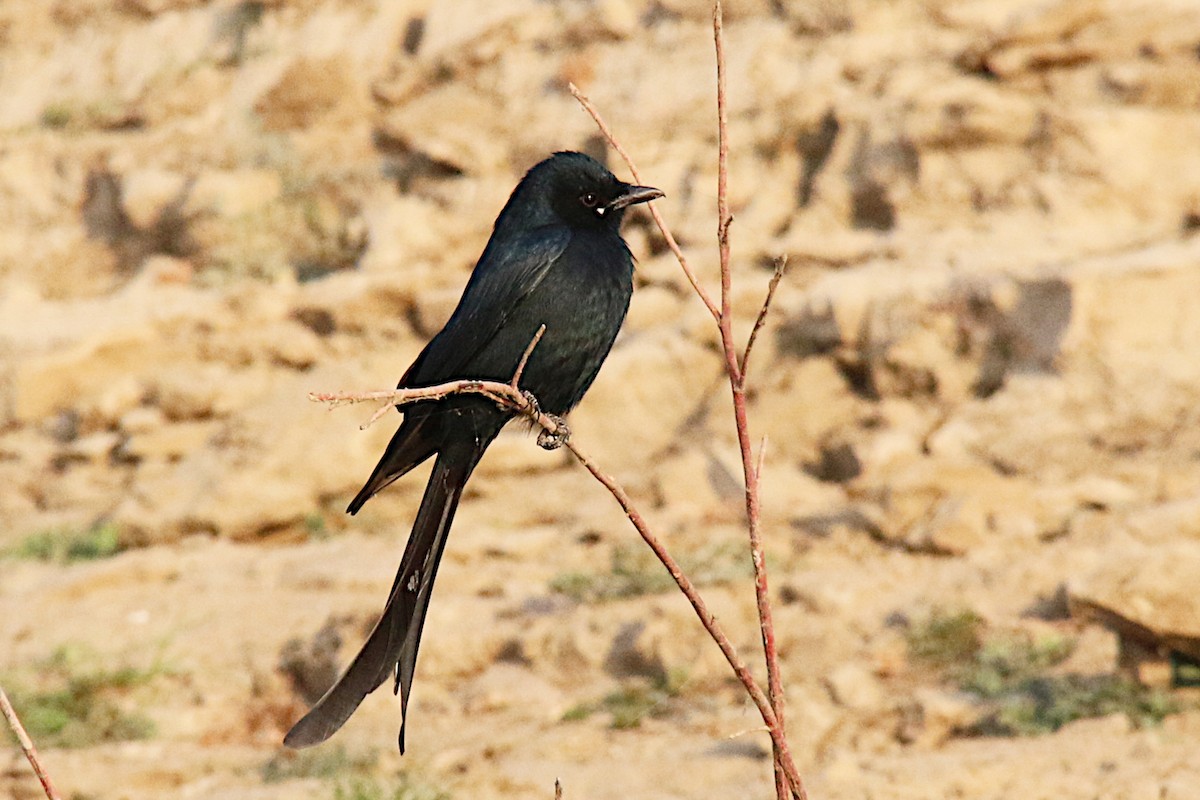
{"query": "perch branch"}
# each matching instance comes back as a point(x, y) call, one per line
point(507, 395)
point(26, 743)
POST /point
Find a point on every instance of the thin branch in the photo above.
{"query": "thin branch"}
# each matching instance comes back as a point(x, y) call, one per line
point(658, 220)
point(30, 751)
point(724, 218)
point(785, 770)
point(706, 617)
point(558, 794)
point(780, 268)
point(502, 393)
point(537, 337)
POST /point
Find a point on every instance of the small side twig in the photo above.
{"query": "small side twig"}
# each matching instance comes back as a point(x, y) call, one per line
point(537, 337)
point(761, 320)
point(762, 456)
point(31, 754)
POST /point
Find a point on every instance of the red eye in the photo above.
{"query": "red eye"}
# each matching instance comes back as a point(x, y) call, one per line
point(588, 199)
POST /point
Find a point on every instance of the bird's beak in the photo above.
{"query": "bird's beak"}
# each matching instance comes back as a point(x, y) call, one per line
point(633, 195)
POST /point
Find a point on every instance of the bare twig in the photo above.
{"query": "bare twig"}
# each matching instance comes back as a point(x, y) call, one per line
point(658, 220)
point(537, 337)
point(780, 268)
point(378, 415)
point(558, 789)
point(26, 743)
point(502, 393)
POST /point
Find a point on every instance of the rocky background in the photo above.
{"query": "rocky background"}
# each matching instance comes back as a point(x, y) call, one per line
point(980, 391)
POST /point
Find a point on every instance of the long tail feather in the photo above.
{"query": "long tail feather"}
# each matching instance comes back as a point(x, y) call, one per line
point(394, 641)
point(410, 446)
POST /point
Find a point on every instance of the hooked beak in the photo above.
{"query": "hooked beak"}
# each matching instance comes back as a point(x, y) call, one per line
point(633, 195)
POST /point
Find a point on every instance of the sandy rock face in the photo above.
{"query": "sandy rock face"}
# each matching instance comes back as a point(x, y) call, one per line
point(977, 391)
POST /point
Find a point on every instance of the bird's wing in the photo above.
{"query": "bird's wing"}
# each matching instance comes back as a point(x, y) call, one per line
point(507, 272)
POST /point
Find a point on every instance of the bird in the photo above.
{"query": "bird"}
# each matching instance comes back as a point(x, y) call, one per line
point(556, 259)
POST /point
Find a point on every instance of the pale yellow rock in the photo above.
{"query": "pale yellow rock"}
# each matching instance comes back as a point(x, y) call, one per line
point(171, 441)
point(854, 686)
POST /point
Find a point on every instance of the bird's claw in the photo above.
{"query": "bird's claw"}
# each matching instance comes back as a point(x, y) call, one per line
point(552, 441)
point(534, 410)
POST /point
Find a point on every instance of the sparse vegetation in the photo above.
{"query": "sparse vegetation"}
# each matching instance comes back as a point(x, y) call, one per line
point(946, 639)
point(314, 526)
point(79, 705)
point(57, 115)
point(405, 788)
point(634, 571)
point(331, 762)
point(1012, 677)
point(1044, 704)
point(634, 701)
point(64, 546)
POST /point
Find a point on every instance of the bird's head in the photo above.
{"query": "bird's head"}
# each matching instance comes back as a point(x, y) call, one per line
point(578, 190)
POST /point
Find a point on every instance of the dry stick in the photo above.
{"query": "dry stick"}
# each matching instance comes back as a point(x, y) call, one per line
point(737, 385)
point(658, 220)
point(31, 754)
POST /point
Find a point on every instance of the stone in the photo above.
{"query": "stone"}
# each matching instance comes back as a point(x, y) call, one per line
point(854, 686)
point(170, 441)
point(1146, 595)
point(307, 90)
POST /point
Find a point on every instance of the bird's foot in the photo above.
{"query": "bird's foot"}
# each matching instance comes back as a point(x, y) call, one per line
point(535, 410)
point(553, 441)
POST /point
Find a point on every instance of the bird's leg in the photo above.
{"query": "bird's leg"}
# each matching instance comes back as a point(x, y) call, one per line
point(553, 441)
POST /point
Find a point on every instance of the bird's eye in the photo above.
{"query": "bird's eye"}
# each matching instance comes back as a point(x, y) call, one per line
point(588, 199)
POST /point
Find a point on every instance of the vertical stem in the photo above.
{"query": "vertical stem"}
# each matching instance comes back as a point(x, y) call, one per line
point(738, 387)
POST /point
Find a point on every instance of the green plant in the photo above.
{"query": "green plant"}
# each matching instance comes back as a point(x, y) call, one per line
point(314, 526)
point(1003, 662)
point(634, 701)
point(1010, 676)
point(945, 638)
point(634, 571)
point(1044, 704)
point(406, 788)
point(330, 762)
point(80, 706)
point(64, 545)
point(57, 115)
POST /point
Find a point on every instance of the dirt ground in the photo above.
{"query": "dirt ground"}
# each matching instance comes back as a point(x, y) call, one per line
point(980, 392)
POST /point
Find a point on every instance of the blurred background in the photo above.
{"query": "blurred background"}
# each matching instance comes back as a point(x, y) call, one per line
point(980, 389)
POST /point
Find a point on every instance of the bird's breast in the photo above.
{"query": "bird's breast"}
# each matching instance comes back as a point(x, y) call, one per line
point(582, 301)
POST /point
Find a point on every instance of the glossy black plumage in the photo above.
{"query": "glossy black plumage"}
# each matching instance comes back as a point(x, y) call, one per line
point(555, 258)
